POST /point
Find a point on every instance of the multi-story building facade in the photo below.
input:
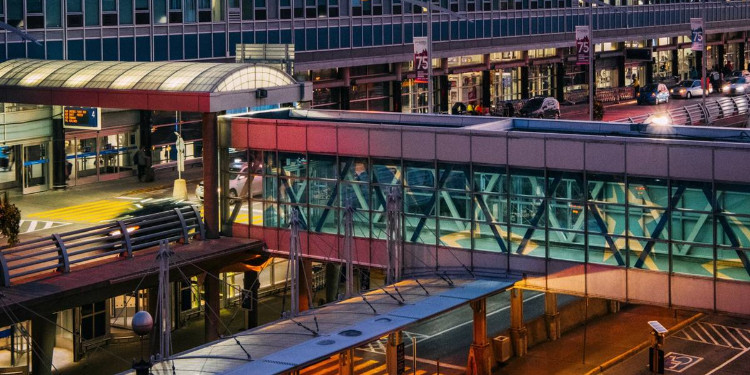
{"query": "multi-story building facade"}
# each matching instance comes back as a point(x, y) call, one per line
point(359, 53)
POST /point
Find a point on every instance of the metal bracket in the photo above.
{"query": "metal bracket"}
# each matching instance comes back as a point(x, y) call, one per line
point(62, 252)
point(125, 240)
point(201, 226)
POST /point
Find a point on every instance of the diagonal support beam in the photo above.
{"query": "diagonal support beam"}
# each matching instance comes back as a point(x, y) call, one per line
point(431, 206)
point(728, 231)
point(293, 200)
point(603, 229)
point(659, 227)
point(489, 221)
point(538, 216)
point(334, 194)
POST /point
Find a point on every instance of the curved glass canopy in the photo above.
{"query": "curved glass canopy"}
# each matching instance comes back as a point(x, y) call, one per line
point(151, 76)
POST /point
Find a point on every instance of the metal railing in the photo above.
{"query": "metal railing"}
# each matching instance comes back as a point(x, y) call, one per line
point(697, 114)
point(59, 252)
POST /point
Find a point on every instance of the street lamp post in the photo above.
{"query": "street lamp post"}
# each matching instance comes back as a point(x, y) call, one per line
point(592, 84)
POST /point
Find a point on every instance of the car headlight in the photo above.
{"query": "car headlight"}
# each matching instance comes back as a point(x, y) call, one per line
point(740, 88)
point(682, 91)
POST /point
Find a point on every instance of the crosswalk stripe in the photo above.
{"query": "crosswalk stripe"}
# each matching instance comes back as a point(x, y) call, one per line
point(92, 212)
point(717, 334)
point(29, 226)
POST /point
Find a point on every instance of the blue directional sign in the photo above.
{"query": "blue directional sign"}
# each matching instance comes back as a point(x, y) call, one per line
point(82, 118)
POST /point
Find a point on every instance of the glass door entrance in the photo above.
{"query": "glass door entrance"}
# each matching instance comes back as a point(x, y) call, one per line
point(35, 168)
point(10, 173)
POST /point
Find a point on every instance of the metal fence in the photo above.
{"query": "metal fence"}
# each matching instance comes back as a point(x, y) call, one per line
point(59, 252)
point(697, 114)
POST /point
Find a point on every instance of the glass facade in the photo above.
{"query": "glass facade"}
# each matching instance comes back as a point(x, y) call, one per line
point(686, 227)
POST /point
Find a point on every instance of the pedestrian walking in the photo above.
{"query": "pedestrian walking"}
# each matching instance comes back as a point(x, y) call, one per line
point(143, 161)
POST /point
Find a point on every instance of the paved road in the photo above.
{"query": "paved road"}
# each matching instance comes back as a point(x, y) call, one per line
point(715, 345)
point(625, 109)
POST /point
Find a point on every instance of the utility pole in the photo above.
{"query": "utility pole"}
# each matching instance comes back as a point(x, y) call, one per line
point(592, 83)
point(704, 55)
point(165, 303)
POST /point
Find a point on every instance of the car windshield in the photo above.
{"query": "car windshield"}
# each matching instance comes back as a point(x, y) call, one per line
point(735, 80)
point(649, 88)
point(533, 104)
point(741, 80)
point(686, 84)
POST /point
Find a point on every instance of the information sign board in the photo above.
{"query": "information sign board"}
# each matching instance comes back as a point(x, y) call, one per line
point(583, 44)
point(421, 59)
point(82, 118)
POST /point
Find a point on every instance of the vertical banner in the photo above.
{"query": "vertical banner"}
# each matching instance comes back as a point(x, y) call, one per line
point(421, 59)
point(583, 43)
point(696, 34)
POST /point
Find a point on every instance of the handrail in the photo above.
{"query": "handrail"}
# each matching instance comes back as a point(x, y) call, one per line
point(697, 114)
point(61, 251)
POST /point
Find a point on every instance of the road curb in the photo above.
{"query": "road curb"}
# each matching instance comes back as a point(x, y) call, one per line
point(632, 351)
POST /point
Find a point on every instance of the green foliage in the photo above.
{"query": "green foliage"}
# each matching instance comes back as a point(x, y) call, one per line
point(598, 110)
point(10, 219)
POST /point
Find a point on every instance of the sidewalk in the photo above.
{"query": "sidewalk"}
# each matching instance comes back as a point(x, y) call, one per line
point(606, 338)
point(581, 111)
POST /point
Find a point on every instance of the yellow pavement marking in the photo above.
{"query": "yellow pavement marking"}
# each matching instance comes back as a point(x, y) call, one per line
point(92, 212)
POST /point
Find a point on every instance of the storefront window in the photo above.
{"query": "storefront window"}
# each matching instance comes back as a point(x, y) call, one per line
point(413, 97)
point(464, 60)
point(35, 167)
point(505, 56)
point(540, 80)
point(634, 71)
point(606, 78)
point(506, 85)
point(663, 67)
point(465, 88)
point(539, 53)
point(326, 98)
point(370, 97)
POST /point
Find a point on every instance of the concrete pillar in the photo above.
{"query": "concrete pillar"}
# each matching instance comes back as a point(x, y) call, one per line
point(396, 96)
point(524, 82)
point(333, 274)
point(675, 63)
point(486, 94)
point(344, 73)
point(560, 81)
point(391, 352)
point(444, 88)
point(613, 306)
point(346, 362)
point(551, 316)
point(43, 342)
point(144, 129)
point(210, 175)
point(59, 163)
point(305, 284)
point(720, 57)
point(649, 65)
point(740, 56)
point(518, 334)
point(212, 308)
point(250, 284)
point(480, 352)
point(699, 62)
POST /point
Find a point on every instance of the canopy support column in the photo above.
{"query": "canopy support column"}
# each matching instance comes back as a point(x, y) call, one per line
point(210, 175)
point(518, 333)
point(480, 355)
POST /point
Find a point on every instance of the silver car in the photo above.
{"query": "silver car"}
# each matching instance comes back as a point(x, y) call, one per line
point(738, 86)
point(687, 89)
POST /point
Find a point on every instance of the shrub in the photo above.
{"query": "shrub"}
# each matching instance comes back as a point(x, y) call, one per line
point(10, 219)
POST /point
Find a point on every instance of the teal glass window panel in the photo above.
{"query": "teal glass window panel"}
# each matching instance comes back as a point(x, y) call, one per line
point(161, 48)
point(535, 246)
point(110, 49)
point(651, 193)
point(420, 175)
point(692, 227)
point(360, 224)
point(656, 260)
point(454, 205)
point(322, 193)
point(34, 6)
point(729, 266)
point(491, 209)
point(613, 217)
point(175, 4)
point(293, 164)
point(141, 4)
point(219, 44)
point(285, 214)
point(109, 5)
point(484, 236)
point(564, 245)
point(386, 172)
point(694, 197)
point(428, 233)
point(190, 12)
point(93, 49)
point(419, 201)
point(528, 183)
point(75, 49)
point(322, 167)
point(92, 12)
point(642, 221)
point(54, 50)
point(565, 215)
point(142, 49)
point(601, 252)
point(734, 199)
point(53, 13)
point(523, 210)
point(175, 47)
point(160, 11)
point(270, 189)
point(458, 177)
point(126, 12)
point(455, 233)
point(328, 224)
point(293, 190)
point(358, 169)
point(191, 46)
point(568, 185)
point(270, 163)
point(696, 260)
point(355, 194)
point(737, 227)
point(15, 11)
point(73, 6)
point(127, 49)
point(606, 189)
point(490, 180)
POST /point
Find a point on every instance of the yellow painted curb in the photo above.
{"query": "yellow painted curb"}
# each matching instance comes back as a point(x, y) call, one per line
point(609, 364)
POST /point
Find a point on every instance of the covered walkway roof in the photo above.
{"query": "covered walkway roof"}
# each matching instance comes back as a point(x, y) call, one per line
point(288, 345)
point(172, 86)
